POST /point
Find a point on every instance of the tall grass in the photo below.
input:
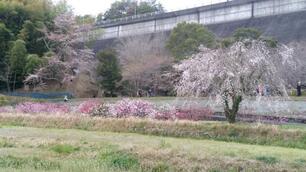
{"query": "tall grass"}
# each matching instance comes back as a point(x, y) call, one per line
point(242, 133)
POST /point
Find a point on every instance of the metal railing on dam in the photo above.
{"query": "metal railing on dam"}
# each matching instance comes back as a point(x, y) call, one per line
point(206, 15)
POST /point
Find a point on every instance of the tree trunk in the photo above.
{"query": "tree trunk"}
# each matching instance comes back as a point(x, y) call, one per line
point(231, 113)
point(8, 82)
point(14, 84)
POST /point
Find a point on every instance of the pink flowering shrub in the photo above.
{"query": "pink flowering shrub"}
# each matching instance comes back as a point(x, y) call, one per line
point(166, 112)
point(128, 107)
point(31, 107)
point(88, 107)
point(102, 111)
point(4, 110)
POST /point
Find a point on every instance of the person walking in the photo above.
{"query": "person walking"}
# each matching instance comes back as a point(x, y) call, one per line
point(299, 89)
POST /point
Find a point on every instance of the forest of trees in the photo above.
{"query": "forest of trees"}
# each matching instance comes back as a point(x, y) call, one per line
point(23, 41)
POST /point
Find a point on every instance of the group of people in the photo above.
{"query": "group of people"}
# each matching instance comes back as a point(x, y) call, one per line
point(142, 93)
point(263, 90)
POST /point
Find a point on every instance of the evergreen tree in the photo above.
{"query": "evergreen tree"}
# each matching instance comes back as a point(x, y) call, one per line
point(17, 61)
point(186, 38)
point(109, 72)
point(33, 62)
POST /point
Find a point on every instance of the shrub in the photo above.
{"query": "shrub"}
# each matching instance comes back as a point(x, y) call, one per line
point(102, 110)
point(31, 107)
point(246, 33)
point(226, 42)
point(166, 112)
point(88, 107)
point(271, 42)
point(128, 107)
point(4, 110)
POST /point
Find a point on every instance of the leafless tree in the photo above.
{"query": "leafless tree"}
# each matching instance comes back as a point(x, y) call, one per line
point(142, 57)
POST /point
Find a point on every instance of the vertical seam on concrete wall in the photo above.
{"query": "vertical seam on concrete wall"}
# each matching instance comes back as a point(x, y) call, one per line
point(155, 25)
point(252, 15)
point(118, 31)
point(199, 17)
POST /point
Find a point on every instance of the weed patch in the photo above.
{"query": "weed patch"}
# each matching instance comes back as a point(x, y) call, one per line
point(4, 143)
point(64, 149)
point(161, 167)
point(267, 159)
point(119, 159)
point(163, 144)
point(19, 163)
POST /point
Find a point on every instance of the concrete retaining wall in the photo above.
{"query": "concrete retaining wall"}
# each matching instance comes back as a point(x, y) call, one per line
point(208, 15)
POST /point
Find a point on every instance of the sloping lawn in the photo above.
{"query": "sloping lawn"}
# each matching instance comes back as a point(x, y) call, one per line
point(32, 149)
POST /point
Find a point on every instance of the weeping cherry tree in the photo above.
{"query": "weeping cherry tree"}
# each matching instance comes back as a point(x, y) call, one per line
point(233, 73)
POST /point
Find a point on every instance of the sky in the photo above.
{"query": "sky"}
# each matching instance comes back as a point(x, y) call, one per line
point(94, 7)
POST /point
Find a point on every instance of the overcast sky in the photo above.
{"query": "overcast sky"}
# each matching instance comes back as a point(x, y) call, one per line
point(93, 7)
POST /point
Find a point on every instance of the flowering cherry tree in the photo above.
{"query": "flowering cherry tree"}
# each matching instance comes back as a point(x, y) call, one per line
point(232, 73)
point(68, 59)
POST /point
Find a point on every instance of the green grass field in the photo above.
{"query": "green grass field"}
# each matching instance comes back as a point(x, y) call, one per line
point(78, 143)
point(74, 143)
point(32, 149)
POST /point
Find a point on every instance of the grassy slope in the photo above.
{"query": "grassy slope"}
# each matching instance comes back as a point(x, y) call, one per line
point(30, 149)
point(285, 136)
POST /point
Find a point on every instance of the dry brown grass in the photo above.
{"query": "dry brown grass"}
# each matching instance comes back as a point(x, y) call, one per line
point(243, 133)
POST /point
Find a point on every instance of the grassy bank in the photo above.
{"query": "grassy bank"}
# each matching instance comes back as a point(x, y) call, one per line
point(259, 134)
point(33, 150)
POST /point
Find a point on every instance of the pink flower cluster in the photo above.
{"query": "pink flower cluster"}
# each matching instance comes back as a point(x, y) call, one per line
point(88, 107)
point(31, 107)
point(121, 109)
point(128, 107)
point(4, 110)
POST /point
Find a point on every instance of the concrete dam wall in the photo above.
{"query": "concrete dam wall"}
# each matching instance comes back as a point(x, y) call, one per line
point(207, 15)
point(283, 19)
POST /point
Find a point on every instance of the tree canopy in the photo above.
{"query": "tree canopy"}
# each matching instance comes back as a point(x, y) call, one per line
point(185, 39)
point(126, 8)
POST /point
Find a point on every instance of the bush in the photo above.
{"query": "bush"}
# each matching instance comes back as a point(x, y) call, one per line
point(88, 107)
point(31, 107)
point(102, 110)
point(4, 110)
point(227, 42)
point(271, 42)
point(128, 107)
point(166, 112)
point(246, 33)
